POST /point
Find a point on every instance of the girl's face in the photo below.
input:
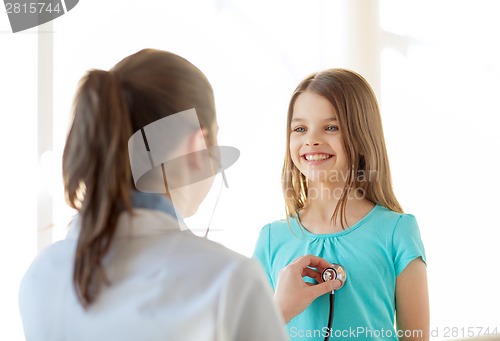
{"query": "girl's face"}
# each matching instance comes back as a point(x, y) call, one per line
point(316, 144)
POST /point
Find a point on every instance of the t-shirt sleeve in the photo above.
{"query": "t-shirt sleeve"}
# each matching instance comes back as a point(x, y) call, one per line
point(249, 310)
point(407, 242)
point(262, 251)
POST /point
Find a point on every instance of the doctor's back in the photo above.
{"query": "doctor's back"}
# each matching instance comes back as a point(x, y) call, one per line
point(165, 285)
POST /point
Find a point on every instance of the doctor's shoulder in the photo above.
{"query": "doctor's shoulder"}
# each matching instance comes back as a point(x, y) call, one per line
point(46, 278)
point(54, 260)
point(211, 253)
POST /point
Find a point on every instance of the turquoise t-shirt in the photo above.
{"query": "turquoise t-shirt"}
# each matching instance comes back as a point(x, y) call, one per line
point(373, 252)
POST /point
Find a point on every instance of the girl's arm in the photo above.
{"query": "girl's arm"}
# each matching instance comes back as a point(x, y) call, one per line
point(412, 302)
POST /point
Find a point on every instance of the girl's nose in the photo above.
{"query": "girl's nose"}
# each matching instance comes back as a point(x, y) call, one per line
point(313, 140)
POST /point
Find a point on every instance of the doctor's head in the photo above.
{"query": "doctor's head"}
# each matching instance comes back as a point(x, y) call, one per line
point(112, 105)
point(109, 108)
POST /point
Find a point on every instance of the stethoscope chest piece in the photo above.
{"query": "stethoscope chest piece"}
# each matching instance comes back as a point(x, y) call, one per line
point(337, 272)
point(333, 272)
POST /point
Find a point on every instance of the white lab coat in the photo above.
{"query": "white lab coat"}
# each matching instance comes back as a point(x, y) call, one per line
point(165, 285)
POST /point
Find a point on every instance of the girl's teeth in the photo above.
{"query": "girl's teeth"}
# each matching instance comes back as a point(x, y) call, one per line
point(317, 157)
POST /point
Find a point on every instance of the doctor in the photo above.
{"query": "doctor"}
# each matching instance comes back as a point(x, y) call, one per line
point(141, 154)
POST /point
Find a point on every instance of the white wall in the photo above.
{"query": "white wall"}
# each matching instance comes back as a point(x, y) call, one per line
point(19, 171)
point(438, 82)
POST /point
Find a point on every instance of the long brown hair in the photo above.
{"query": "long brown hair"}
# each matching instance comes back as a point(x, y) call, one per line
point(109, 107)
point(360, 123)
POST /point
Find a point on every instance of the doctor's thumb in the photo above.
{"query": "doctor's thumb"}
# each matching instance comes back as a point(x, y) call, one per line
point(325, 287)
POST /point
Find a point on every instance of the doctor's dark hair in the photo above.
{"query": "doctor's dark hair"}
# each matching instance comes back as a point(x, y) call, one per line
point(360, 123)
point(108, 108)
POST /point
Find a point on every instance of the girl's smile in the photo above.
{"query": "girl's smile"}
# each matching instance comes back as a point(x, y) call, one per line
point(316, 158)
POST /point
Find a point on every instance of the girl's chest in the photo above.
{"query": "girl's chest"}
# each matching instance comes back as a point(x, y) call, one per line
point(362, 258)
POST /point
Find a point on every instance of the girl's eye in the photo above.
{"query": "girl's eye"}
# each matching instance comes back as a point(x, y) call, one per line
point(332, 128)
point(299, 129)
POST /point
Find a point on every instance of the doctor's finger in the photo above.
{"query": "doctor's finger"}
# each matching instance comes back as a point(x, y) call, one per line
point(312, 261)
point(312, 274)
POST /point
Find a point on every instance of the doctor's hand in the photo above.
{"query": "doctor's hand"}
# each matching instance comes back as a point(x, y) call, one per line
point(293, 294)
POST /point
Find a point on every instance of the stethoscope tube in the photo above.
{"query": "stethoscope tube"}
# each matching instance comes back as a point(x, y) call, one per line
point(330, 315)
point(335, 272)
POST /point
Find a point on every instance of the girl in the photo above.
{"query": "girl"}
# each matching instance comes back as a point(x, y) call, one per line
point(341, 208)
point(124, 271)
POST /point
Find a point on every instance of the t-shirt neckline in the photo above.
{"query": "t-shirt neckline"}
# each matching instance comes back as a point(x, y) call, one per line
point(341, 233)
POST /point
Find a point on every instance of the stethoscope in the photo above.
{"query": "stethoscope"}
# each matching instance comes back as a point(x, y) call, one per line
point(335, 272)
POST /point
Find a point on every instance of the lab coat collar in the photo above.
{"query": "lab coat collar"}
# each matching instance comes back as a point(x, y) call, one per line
point(154, 201)
point(152, 214)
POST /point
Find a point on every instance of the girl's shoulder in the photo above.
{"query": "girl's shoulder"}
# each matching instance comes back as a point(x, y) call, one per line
point(282, 225)
point(280, 229)
point(387, 217)
point(401, 228)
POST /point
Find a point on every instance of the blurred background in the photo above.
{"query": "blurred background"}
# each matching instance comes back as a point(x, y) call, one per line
point(435, 66)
